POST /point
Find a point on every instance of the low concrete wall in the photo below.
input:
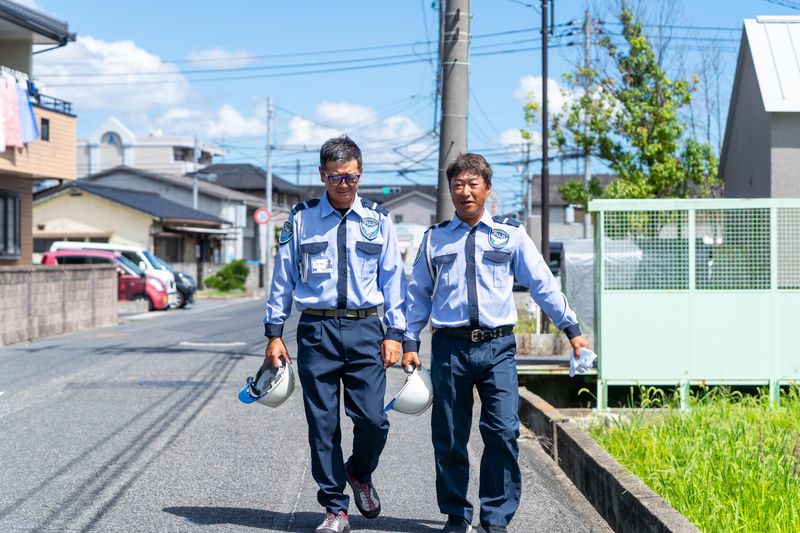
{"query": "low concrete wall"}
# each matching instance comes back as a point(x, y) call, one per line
point(40, 301)
point(622, 499)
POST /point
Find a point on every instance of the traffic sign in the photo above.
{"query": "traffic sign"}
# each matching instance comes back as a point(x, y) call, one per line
point(262, 215)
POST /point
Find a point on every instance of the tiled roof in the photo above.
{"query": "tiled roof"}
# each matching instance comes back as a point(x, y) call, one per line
point(146, 202)
point(247, 177)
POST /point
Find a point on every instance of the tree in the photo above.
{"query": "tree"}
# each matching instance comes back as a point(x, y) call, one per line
point(629, 118)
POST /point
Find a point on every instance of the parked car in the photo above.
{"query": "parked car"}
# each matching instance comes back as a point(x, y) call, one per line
point(185, 283)
point(137, 255)
point(133, 283)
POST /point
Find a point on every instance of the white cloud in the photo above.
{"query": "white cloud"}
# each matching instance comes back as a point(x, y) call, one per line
point(229, 123)
point(375, 135)
point(98, 75)
point(530, 88)
point(221, 58)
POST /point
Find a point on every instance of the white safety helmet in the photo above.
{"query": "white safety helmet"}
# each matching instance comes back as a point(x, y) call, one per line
point(270, 386)
point(416, 395)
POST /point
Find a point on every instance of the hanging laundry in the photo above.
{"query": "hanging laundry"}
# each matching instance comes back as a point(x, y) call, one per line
point(11, 112)
point(28, 129)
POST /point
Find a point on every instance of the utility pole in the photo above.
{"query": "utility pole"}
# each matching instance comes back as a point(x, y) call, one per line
point(587, 172)
point(194, 175)
point(545, 169)
point(297, 172)
point(270, 226)
point(455, 90)
point(528, 182)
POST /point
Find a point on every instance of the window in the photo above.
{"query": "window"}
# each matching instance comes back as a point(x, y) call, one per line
point(44, 130)
point(110, 138)
point(398, 218)
point(9, 224)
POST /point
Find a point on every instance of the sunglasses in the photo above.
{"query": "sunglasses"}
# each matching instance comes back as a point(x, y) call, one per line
point(350, 179)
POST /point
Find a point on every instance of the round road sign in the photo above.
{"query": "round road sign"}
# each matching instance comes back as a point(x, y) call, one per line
point(262, 215)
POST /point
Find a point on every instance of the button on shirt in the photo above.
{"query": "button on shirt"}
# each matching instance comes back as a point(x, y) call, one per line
point(326, 261)
point(474, 270)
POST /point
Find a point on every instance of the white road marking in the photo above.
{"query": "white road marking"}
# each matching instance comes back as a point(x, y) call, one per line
point(213, 344)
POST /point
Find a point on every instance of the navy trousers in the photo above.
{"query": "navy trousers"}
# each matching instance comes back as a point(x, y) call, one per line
point(331, 353)
point(457, 366)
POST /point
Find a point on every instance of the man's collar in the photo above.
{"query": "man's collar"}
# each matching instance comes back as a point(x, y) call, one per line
point(456, 222)
point(326, 208)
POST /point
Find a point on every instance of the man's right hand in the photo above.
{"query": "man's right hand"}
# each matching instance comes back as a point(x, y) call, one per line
point(276, 352)
point(411, 358)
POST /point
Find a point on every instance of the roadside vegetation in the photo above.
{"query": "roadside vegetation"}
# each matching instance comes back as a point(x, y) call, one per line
point(728, 463)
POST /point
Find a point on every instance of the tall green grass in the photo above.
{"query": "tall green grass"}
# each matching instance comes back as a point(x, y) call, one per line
point(730, 463)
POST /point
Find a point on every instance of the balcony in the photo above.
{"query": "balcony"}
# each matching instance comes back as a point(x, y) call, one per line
point(53, 154)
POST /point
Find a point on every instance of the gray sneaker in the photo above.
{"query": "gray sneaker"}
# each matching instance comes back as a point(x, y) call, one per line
point(456, 524)
point(364, 495)
point(334, 523)
point(491, 529)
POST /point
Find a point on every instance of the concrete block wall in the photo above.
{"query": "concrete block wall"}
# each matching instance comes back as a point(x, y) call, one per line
point(42, 301)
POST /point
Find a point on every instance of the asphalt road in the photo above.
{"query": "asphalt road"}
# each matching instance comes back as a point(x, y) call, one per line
point(137, 428)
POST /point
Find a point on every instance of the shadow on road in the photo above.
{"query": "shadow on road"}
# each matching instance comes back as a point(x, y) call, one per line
point(302, 521)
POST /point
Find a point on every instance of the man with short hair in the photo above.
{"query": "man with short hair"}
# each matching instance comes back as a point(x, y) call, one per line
point(462, 279)
point(338, 261)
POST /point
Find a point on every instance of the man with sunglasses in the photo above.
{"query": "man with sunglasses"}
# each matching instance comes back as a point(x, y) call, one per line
point(462, 280)
point(338, 261)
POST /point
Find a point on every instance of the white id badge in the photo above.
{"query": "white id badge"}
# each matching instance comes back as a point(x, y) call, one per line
point(322, 266)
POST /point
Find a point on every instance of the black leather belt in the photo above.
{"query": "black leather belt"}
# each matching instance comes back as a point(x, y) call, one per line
point(343, 313)
point(477, 335)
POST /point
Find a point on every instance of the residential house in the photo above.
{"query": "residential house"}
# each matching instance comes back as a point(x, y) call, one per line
point(252, 180)
point(240, 242)
point(84, 211)
point(761, 149)
point(112, 144)
point(48, 154)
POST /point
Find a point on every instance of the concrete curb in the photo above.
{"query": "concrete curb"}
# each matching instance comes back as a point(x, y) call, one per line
point(622, 499)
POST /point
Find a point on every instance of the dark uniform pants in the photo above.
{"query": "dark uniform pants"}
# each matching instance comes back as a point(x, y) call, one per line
point(458, 365)
point(331, 351)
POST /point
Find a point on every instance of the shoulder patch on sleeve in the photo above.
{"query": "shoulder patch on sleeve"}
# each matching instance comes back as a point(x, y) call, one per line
point(287, 232)
point(505, 220)
point(369, 204)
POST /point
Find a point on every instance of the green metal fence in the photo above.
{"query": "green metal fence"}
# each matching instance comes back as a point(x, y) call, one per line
point(697, 291)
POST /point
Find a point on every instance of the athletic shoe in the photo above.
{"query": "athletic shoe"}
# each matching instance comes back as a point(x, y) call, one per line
point(334, 523)
point(491, 529)
point(456, 524)
point(365, 496)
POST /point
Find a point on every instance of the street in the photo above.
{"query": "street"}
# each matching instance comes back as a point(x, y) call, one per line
point(137, 428)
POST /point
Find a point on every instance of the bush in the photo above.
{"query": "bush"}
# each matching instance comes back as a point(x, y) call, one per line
point(230, 277)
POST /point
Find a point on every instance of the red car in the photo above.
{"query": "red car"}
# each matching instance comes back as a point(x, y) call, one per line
point(133, 283)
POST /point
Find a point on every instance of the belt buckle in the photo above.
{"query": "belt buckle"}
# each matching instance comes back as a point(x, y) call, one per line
point(476, 335)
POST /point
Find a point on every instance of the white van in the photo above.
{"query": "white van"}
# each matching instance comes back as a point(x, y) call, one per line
point(139, 256)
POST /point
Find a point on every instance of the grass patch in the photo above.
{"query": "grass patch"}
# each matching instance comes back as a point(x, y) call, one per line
point(729, 463)
point(216, 294)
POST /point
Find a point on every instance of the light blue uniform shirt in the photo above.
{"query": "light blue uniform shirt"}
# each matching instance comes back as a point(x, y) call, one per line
point(474, 289)
point(327, 262)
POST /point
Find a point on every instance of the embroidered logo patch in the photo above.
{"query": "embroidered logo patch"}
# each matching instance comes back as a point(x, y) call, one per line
point(498, 238)
point(287, 232)
point(370, 228)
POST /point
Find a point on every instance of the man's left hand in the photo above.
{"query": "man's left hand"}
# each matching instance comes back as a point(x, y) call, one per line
point(390, 352)
point(578, 343)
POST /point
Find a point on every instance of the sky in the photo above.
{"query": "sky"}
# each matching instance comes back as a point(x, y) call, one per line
point(361, 67)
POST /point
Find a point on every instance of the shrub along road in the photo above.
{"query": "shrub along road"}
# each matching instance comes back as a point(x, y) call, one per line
point(137, 428)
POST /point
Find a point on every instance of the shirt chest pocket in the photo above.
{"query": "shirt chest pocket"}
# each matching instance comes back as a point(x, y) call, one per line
point(315, 260)
point(499, 266)
point(368, 255)
point(444, 265)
